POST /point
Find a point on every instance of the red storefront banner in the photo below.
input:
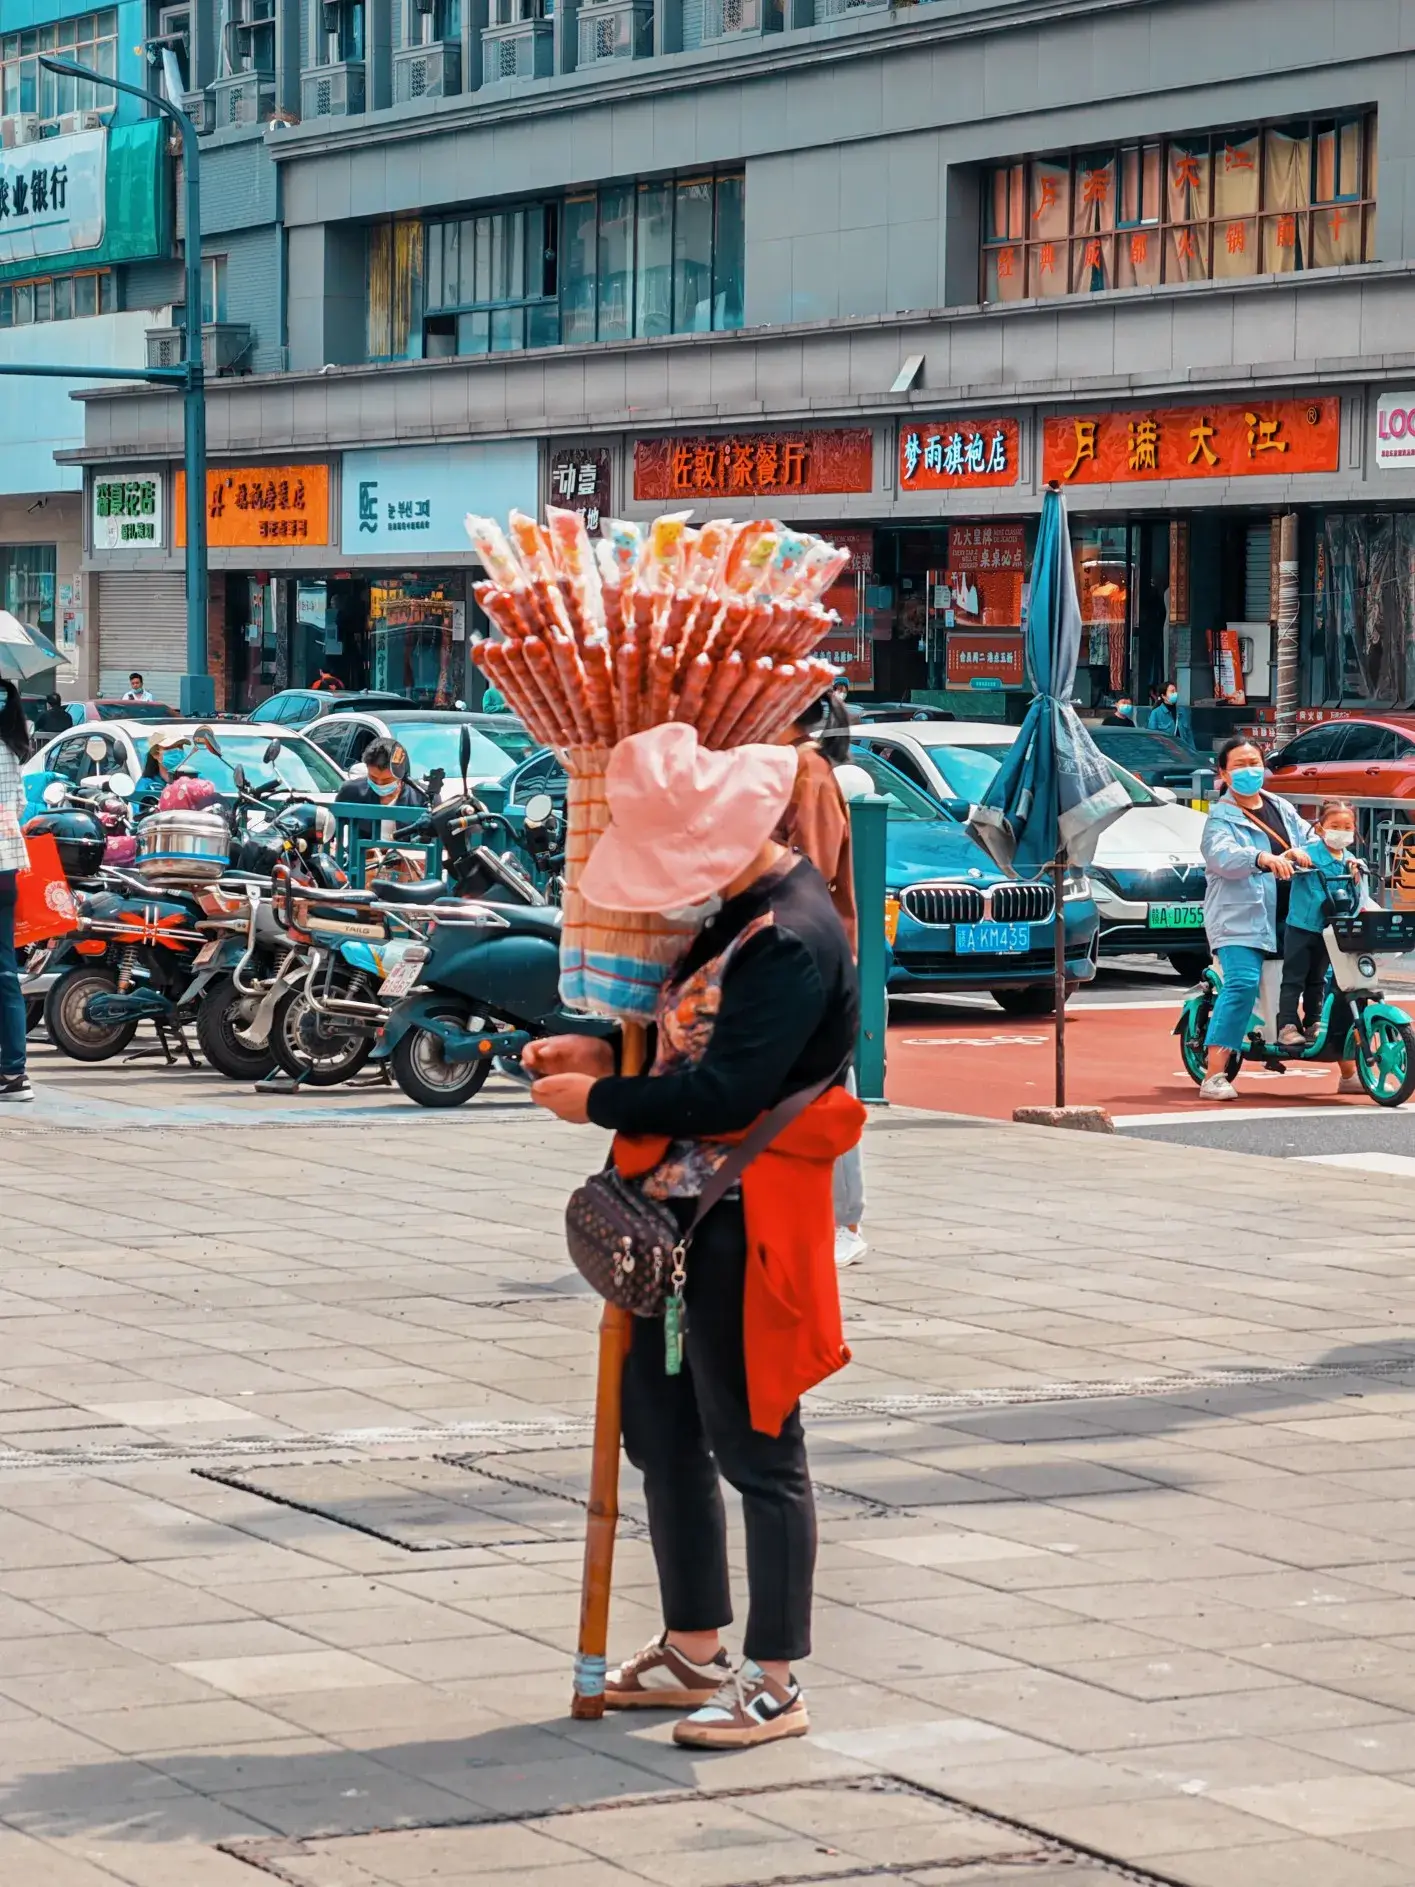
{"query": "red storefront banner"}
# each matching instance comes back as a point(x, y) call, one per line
point(977, 657)
point(755, 464)
point(985, 567)
point(1270, 438)
point(958, 454)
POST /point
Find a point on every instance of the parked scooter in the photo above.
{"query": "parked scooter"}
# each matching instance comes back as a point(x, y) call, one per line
point(1357, 1023)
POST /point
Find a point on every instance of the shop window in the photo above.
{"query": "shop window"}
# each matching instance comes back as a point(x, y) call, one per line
point(491, 281)
point(27, 576)
point(1365, 605)
point(55, 298)
point(213, 288)
point(89, 39)
point(1256, 199)
point(395, 291)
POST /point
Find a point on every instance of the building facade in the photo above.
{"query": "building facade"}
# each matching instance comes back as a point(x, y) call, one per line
point(880, 270)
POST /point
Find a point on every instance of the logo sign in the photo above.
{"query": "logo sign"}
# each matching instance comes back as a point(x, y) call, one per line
point(260, 505)
point(414, 501)
point(127, 512)
point(755, 465)
point(1395, 429)
point(985, 661)
point(579, 481)
point(1269, 439)
point(52, 196)
point(958, 454)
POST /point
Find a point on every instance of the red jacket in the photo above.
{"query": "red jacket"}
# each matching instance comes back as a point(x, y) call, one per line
point(792, 1332)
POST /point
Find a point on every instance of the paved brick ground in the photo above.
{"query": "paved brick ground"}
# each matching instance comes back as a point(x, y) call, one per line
point(1118, 1511)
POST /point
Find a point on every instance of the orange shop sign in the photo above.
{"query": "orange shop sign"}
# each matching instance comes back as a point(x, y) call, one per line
point(988, 661)
point(755, 464)
point(1266, 439)
point(261, 506)
point(953, 454)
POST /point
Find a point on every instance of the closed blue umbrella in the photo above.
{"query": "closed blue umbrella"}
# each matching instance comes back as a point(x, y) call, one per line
point(24, 651)
point(1054, 794)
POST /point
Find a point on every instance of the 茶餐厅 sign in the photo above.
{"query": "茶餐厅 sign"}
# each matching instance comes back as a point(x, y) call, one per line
point(755, 464)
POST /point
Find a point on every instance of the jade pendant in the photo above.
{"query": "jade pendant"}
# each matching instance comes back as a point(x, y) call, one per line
point(673, 1336)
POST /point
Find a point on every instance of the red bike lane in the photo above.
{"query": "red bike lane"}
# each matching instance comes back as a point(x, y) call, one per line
point(1120, 1056)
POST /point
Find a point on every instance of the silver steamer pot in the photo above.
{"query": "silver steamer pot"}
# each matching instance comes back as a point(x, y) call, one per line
point(184, 847)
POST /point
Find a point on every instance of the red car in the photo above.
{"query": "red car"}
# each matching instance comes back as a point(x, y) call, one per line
point(1347, 760)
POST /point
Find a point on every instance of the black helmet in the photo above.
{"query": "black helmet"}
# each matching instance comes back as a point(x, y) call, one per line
point(79, 836)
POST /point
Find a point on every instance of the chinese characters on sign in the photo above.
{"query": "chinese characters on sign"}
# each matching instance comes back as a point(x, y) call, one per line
point(52, 196)
point(127, 512)
point(987, 661)
point(261, 505)
point(1277, 436)
point(579, 481)
point(986, 563)
point(944, 454)
point(752, 465)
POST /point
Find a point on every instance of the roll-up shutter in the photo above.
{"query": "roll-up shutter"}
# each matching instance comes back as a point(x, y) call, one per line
point(142, 624)
point(1257, 574)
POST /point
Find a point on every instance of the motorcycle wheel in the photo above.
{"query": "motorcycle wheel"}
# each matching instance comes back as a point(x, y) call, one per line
point(1387, 1073)
point(34, 1013)
point(221, 1012)
point(425, 1075)
point(1192, 1049)
point(307, 1045)
point(70, 1032)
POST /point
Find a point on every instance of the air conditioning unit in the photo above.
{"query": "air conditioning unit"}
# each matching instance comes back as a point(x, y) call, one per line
point(73, 122)
point(225, 347)
point(18, 130)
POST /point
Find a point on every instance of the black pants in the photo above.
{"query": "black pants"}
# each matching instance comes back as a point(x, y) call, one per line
point(1304, 974)
point(681, 1431)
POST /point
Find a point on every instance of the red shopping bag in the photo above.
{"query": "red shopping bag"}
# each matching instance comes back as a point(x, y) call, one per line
point(44, 905)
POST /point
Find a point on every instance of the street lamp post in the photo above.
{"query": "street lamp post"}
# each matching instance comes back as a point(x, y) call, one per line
point(198, 696)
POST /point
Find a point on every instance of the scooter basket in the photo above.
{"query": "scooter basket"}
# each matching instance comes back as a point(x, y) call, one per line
point(1375, 932)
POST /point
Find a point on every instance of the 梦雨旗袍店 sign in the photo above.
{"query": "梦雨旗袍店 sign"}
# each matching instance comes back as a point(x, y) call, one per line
point(413, 501)
point(952, 454)
point(52, 196)
point(127, 512)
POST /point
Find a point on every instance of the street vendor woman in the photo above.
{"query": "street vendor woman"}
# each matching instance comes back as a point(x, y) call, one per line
point(764, 1005)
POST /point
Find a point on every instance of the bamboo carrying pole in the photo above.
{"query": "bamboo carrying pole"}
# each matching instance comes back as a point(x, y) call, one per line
point(614, 1330)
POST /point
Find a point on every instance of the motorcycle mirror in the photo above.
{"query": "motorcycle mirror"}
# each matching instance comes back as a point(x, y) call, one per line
point(121, 784)
point(272, 753)
point(539, 808)
point(435, 782)
point(55, 793)
point(238, 774)
point(464, 753)
point(95, 746)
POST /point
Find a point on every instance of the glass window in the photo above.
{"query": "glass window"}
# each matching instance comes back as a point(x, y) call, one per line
point(44, 301)
point(907, 804)
point(577, 275)
point(1212, 205)
point(729, 253)
point(1364, 740)
point(27, 576)
point(85, 294)
point(1365, 605)
point(395, 291)
point(107, 293)
point(616, 263)
point(213, 288)
point(24, 304)
point(653, 275)
point(63, 297)
point(7, 307)
point(692, 257)
point(90, 39)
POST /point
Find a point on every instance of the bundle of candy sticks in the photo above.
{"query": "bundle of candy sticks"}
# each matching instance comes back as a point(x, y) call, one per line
point(603, 639)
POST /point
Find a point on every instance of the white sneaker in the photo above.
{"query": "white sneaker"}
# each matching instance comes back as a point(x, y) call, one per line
point(1217, 1088)
point(1350, 1084)
point(849, 1245)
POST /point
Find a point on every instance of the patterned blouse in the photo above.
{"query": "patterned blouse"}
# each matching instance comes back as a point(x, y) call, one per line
point(687, 1012)
point(13, 856)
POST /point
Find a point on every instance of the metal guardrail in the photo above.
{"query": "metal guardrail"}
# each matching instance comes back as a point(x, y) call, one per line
point(1385, 835)
point(382, 830)
point(868, 834)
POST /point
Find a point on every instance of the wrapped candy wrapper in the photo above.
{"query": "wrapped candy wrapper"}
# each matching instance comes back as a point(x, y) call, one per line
point(712, 627)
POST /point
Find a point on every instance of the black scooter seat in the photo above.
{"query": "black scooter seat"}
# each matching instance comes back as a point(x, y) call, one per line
point(544, 919)
point(423, 891)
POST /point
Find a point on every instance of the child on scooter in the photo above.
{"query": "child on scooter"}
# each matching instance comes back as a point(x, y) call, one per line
point(1304, 955)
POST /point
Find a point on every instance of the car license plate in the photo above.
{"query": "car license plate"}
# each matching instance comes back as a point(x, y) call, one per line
point(207, 952)
point(992, 940)
point(402, 977)
point(1176, 917)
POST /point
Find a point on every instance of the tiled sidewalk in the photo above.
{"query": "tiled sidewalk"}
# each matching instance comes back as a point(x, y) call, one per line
point(1118, 1513)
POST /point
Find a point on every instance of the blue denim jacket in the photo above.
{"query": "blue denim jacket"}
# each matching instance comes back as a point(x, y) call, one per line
point(1309, 888)
point(1240, 902)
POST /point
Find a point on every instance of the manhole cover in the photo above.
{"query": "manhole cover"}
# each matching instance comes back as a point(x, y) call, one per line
point(803, 1835)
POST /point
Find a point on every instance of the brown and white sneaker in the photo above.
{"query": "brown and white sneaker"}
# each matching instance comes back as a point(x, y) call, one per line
point(749, 1708)
point(660, 1678)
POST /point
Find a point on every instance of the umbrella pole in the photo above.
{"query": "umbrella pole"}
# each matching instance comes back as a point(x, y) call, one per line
point(1058, 872)
point(615, 1326)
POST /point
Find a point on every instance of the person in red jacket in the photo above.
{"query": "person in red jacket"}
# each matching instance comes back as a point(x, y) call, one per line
point(763, 1005)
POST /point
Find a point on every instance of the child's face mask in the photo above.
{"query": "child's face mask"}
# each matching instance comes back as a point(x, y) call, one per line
point(1338, 838)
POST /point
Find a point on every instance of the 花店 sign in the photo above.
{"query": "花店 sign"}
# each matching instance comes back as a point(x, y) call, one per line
point(52, 196)
point(1395, 429)
point(127, 512)
point(1269, 439)
point(951, 454)
point(260, 506)
point(414, 502)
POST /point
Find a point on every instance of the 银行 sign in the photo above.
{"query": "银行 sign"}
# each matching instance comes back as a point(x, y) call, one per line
point(1269, 439)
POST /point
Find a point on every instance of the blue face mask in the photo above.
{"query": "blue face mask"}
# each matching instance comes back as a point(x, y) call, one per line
point(1246, 780)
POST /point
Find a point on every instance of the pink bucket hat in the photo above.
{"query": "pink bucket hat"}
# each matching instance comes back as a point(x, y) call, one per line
point(684, 821)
